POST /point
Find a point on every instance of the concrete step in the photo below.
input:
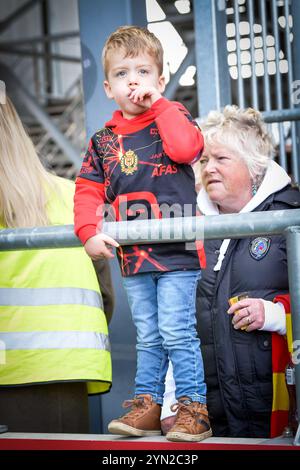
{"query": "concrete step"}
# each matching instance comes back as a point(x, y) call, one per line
point(32, 441)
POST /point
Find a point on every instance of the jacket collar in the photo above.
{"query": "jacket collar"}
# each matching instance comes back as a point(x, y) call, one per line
point(275, 179)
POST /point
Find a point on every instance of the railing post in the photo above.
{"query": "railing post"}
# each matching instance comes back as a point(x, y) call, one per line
point(293, 257)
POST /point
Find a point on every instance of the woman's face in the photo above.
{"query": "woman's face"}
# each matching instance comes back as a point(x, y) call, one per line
point(226, 178)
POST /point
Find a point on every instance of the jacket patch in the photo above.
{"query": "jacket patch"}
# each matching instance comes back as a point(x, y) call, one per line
point(259, 247)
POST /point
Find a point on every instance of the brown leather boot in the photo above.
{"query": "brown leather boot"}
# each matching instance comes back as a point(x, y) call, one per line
point(192, 423)
point(142, 420)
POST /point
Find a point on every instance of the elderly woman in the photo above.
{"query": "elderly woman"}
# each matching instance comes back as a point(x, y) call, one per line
point(241, 344)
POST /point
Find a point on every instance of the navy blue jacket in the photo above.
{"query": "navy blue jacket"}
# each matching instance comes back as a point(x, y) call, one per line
point(238, 367)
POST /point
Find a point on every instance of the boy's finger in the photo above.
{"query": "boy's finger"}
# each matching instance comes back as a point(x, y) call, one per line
point(107, 253)
point(110, 241)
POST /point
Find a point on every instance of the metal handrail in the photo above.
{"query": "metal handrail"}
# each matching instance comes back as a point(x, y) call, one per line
point(157, 230)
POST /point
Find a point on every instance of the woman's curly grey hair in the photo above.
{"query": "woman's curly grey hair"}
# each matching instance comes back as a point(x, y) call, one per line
point(243, 131)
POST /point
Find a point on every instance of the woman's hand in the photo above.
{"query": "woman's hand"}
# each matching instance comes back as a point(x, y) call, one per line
point(249, 314)
point(100, 246)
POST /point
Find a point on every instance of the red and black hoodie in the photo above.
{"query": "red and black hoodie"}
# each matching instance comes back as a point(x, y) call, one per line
point(142, 168)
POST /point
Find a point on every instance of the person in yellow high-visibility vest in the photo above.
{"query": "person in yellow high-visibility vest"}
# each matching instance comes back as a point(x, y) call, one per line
point(53, 331)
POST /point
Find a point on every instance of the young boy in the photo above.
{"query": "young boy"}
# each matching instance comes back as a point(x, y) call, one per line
point(140, 163)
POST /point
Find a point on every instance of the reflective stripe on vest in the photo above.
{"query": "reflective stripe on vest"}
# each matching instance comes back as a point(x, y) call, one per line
point(54, 340)
point(50, 296)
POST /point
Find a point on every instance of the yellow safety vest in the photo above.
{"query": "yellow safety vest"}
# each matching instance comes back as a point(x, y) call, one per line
point(52, 326)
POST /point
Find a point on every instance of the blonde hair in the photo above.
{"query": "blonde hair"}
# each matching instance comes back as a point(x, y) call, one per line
point(134, 41)
point(244, 131)
point(24, 183)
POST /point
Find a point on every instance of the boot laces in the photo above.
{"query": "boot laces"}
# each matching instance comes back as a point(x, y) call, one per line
point(137, 404)
point(186, 414)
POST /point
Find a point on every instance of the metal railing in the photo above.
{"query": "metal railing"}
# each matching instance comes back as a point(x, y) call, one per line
point(273, 58)
point(187, 229)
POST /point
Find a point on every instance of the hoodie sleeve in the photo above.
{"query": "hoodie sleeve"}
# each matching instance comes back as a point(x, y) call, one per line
point(181, 136)
point(89, 195)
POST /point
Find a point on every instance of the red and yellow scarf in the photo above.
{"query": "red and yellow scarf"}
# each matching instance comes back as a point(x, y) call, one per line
point(281, 351)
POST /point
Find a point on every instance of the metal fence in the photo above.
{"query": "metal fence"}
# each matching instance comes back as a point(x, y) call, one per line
point(248, 54)
point(185, 229)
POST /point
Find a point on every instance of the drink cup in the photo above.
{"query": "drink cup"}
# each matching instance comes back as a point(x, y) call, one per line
point(235, 299)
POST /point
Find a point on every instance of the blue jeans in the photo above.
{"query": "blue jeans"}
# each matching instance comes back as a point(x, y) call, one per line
point(164, 313)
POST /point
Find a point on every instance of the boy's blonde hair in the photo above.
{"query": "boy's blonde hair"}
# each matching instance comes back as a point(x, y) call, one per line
point(134, 41)
point(244, 131)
